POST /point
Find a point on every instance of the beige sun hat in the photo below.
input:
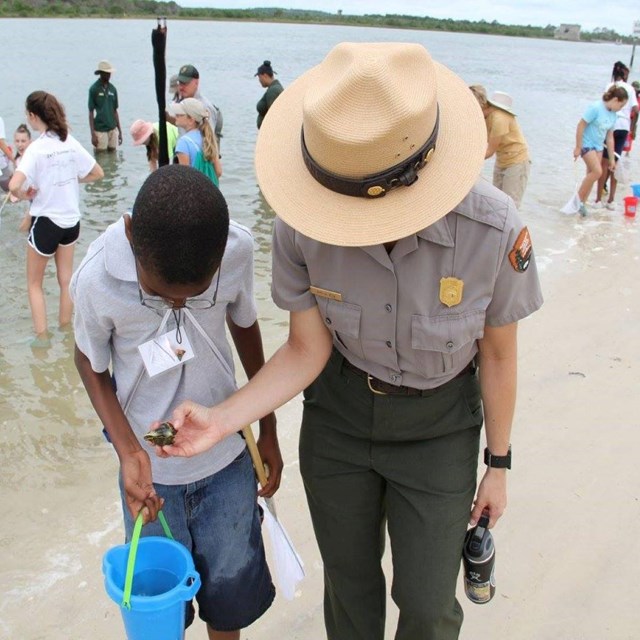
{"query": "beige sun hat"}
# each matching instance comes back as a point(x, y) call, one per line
point(191, 107)
point(104, 66)
point(366, 109)
point(502, 100)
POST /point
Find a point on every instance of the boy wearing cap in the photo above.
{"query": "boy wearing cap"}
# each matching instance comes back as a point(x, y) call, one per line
point(405, 274)
point(189, 87)
point(154, 296)
point(106, 132)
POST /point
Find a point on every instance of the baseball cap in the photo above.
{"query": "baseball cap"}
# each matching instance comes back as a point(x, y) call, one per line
point(187, 73)
point(191, 107)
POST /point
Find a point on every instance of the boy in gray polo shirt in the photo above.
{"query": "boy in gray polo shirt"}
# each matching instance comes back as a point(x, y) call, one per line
point(152, 296)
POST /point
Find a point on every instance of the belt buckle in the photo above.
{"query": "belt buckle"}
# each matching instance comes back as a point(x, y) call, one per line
point(369, 379)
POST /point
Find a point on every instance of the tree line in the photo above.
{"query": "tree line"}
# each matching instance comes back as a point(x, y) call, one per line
point(145, 8)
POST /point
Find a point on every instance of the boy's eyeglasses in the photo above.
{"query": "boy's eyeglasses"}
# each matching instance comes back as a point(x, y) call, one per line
point(162, 304)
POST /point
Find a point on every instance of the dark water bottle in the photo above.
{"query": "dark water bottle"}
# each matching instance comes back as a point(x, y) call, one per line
point(478, 558)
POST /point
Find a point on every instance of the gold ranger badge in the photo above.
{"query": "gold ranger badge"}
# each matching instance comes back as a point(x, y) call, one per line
point(451, 291)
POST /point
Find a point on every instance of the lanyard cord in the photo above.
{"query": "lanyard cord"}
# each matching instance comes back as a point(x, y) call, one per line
point(176, 317)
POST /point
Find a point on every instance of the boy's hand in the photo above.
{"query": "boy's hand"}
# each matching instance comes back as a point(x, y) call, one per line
point(139, 492)
point(196, 431)
point(270, 453)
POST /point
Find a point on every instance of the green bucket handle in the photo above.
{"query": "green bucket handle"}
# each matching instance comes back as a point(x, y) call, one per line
point(133, 550)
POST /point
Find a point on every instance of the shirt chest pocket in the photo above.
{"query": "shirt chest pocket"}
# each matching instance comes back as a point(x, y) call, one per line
point(343, 320)
point(445, 344)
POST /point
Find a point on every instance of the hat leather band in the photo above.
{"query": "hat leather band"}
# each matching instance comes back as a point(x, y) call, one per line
point(376, 185)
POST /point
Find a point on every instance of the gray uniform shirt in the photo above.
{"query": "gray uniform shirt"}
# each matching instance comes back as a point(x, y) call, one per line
point(386, 312)
point(110, 324)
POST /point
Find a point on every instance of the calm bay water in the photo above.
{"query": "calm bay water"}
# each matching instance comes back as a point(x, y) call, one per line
point(51, 441)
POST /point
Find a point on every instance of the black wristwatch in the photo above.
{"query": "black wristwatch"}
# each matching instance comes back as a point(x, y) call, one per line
point(497, 462)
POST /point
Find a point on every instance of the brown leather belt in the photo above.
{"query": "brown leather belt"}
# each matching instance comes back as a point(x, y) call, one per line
point(381, 387)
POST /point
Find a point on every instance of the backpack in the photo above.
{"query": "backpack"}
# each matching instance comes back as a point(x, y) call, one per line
point(202, 165)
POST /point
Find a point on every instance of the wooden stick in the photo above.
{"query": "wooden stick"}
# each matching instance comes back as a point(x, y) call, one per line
point(247, 432)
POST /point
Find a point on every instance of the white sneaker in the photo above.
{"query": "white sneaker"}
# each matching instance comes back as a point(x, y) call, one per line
point(597, 204)
point(611, 206)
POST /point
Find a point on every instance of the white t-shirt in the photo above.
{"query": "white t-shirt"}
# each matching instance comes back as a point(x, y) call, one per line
point(53, 168)
point(4, 161)
point(623, 119)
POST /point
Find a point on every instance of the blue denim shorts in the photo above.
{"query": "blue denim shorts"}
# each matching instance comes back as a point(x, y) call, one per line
point(218, 520)
point(585, 150)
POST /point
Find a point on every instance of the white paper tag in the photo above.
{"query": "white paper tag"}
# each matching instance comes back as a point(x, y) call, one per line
point(164, 352)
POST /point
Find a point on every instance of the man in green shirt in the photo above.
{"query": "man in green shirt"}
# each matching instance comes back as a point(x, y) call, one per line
point(265, 75)
point(106, 132)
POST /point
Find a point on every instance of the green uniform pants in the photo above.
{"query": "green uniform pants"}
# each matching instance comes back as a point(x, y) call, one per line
point(409, 463)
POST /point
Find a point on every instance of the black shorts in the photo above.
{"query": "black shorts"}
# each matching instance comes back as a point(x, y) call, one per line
point(619, 138)
point(45, 236)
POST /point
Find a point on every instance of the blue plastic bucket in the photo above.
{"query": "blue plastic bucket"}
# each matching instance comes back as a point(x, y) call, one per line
point(164, 579)
point(636, 190)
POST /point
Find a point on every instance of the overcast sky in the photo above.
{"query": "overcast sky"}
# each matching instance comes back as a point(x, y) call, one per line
point(590, 14)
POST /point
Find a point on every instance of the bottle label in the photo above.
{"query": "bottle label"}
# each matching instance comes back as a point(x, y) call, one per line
point(479, 592)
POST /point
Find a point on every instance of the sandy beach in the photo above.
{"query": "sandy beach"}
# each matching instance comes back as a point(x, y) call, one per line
point(567, 546)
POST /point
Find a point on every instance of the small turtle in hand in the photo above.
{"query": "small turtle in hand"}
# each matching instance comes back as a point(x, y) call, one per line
point(161, 436)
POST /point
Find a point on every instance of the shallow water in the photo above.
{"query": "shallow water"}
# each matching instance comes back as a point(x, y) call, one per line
point(58, 475)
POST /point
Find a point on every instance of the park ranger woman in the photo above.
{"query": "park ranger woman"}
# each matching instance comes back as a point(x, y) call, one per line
point(405, 275)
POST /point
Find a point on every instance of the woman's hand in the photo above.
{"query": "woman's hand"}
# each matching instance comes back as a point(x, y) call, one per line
point(492, 496)
point(196, 431)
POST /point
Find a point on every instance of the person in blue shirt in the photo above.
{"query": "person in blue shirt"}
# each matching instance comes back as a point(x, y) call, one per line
point(593, 131)
point(198, 147)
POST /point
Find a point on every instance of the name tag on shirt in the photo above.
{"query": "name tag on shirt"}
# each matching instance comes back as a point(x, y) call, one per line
point(325, 293)
point(165, 352)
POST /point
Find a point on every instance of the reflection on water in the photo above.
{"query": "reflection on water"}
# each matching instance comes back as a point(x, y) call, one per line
point(262, 227)
point(45, 417)
point(106, 199)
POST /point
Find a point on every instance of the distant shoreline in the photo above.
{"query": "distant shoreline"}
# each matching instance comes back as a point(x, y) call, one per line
point(76, 9)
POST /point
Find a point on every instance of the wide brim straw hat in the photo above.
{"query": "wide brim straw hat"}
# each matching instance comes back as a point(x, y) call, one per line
point(365, 109)
point(503, 101)
point(140, 131)
point(104, 66)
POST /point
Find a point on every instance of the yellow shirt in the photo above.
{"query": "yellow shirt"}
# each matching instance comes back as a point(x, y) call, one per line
point(512, 148)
